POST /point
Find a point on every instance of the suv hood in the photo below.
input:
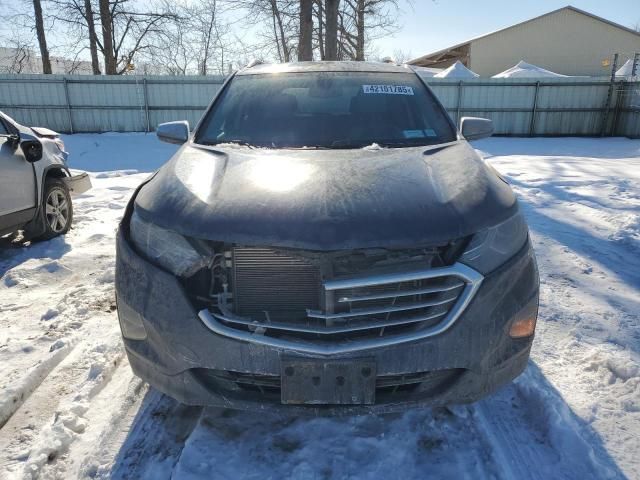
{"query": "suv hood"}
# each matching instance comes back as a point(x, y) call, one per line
point(326, 199)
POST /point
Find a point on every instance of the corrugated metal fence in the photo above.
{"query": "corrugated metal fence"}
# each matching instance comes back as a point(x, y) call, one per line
point(521, 107)
point(82, 103)
point(546, 107)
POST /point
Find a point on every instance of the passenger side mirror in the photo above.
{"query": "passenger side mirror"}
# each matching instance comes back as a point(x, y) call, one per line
point(173, 132)
point(474, 128)
point(32, 150)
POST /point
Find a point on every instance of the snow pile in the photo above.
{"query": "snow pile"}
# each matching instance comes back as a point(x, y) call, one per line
point(626, 70)
point(457, 70)
point(526, 70)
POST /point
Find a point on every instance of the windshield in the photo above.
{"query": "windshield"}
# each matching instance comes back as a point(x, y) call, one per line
point(326, 110)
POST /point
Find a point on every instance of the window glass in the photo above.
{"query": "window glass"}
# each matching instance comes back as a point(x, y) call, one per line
point(326, 110)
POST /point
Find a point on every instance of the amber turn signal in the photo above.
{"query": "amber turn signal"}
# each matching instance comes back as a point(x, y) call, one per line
point(524, 324)
point(523, 328)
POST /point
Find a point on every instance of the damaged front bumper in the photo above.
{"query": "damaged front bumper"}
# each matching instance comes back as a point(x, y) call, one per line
point(169, 346)
point(78, 183)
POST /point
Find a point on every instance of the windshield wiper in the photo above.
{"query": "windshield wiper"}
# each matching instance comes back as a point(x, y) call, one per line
point(393, 144)
point(346, 145)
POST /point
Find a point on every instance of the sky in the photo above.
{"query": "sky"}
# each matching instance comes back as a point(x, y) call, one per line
point(429, 25)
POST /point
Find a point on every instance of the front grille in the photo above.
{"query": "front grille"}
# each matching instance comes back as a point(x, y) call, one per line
point(293, 298)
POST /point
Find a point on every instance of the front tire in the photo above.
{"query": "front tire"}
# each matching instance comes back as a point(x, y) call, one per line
point(57, 209)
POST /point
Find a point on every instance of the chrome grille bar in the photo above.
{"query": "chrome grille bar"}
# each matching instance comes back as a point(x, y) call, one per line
point(361, 281)
point(400, 293)
point(328, 330)
point(359, 312)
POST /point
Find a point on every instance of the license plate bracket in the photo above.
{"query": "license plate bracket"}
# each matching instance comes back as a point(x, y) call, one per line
point(328, 382)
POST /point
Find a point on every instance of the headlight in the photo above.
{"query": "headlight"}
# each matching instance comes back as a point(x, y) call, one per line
point(492, 247)
point(167, 248)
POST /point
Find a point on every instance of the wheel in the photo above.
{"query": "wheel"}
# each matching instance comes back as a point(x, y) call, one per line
point(57, 210)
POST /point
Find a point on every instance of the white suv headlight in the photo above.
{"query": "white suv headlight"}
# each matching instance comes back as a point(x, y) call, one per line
point(167, 248)
point(492, 247)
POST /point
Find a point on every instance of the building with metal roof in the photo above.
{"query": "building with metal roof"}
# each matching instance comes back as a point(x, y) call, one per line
point(569, 41)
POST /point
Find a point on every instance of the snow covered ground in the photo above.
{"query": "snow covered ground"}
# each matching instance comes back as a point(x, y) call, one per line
point(70, 407)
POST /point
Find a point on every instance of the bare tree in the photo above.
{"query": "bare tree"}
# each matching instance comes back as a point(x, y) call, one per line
point(127, 31)
point(106, 21)
point(402, 56)
point(280, 21)
point(17, 56)
point(93, 41)
point(42, 38)
point(361, 22)
point(77, 19)
point(331, 39)
point(305, 45)
point(318, 11)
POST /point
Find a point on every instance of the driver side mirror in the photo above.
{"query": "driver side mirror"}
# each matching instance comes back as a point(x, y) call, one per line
point(173, 132)
point(475, 128)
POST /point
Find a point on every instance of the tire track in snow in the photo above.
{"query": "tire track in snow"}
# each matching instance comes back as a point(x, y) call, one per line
point(152, 446)
point(50, 420)
point(532, 434)
point(104, 418)
point(14, 395)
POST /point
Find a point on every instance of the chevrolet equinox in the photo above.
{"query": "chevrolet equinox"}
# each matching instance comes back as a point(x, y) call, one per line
point(326, 241)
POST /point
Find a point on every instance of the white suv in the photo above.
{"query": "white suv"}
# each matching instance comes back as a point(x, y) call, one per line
point(35, 181)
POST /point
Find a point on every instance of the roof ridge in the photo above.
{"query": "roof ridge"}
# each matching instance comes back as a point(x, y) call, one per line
point(566, 7)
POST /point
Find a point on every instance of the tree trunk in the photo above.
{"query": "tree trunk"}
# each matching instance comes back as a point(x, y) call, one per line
point(277, 19)
point(42, 39)
point(360, 31)
point(320, 19)
point(331, 32)
point(93, 47)
point(110, 64)
point(305, 48)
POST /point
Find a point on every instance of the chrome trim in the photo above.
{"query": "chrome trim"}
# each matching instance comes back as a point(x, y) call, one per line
point(324, 330)
point(359, 312)
point(472, 280)
point(407, 276)
point(399, 293)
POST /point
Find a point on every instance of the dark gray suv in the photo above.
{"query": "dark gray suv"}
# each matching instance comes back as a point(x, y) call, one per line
point(326, 240)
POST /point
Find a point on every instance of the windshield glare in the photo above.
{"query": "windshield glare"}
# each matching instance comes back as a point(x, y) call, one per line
point(326, 110)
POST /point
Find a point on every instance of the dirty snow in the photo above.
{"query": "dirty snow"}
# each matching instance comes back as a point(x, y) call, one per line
point(70, 407)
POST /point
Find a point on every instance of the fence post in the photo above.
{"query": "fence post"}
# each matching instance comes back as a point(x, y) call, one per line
point(534, 109)
point(607, 106)
point(459, 105)
point(146, 103)
point(634, 67)
point(66, 96)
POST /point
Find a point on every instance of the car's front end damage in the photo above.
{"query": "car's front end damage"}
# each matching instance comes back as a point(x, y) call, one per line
point(360, 309)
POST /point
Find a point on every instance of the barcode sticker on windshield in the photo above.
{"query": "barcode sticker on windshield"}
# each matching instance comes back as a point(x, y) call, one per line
point(388, 89)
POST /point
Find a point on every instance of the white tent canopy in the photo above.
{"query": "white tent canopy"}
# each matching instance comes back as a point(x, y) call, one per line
point(526, 70)
point(457, 70)
point(626, 69)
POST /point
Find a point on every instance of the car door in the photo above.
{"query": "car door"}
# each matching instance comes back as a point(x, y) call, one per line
point(17, 181)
